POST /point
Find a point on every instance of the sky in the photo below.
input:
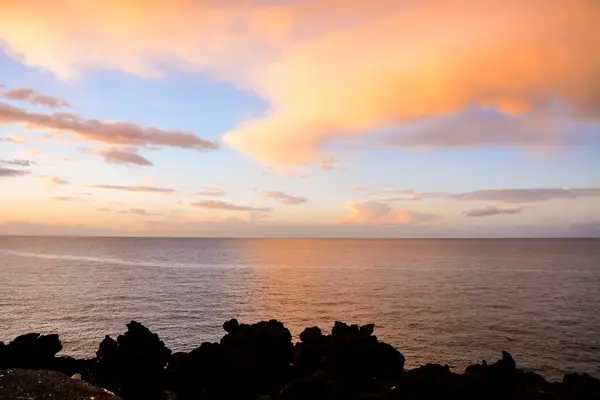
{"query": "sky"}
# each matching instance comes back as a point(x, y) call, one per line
point(300, 118)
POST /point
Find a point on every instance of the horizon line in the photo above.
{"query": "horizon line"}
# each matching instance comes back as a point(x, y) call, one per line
point(296, 238)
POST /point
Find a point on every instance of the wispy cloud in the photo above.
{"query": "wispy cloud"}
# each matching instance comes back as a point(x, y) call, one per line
point(286, 198)
point(526, 195)
point(211, 192)
point(506, 195)
point(32, 97)
point(18, 162)
point(66, 198)
point(490, 210)
point(329, 164)
point(50, 181)
point(9, 172)
point(139, 211)
point(361, 189)
point(122, 133)
point(222, 205)
point(121, 156)
point(147, 189)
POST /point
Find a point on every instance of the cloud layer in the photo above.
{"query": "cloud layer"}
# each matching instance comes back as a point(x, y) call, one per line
point(122, 156)
point(9, 172)
point(501, 195)
point(210, 192)
point(222, 205)
point(142, 189)
point(490, 210)
point(18, 162)
point(332, 69)
point(122, 133)
point(286, 198)
point(34, 98)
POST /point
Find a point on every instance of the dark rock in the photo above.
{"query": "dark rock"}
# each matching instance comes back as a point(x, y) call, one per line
point(200, 371)
point(507, 363)
point(231, 326)
point(258, 361)
point(358, 359)
point(310, 387)
point(580, 386)
point(311, 335)
point(70, 366)
point(367, 329)
point(309, 353)
point(257, 357)
point(31, 351)
point(134, 365)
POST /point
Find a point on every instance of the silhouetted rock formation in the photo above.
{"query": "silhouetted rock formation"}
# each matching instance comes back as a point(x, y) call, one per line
point(33, 351)
point(134, 365)
point(249, 361)
point(259, 361)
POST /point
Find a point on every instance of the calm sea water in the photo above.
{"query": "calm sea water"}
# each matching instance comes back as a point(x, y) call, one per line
point(446, 301)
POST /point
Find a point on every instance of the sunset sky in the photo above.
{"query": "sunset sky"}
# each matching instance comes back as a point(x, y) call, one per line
point(300, 118)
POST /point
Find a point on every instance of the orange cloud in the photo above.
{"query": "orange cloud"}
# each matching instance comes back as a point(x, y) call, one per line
point(375, 212)
point(330, 69)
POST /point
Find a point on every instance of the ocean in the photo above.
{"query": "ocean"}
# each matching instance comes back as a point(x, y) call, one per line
point(446, 301)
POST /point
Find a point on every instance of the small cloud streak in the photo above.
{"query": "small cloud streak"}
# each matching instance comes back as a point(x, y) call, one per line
point(222, 205)
point(138, 211)
point(122, 156)
point(328, 164)
point(123, 133)
point(141, 189)
point(34, 98)
point(51, 181)
point(9, 172)
point(66, 198)
point(286, 198)
point(490, 210)
point(18, 162)
point(209, 191)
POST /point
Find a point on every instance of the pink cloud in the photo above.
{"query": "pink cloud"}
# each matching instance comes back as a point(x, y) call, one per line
point(124, 133)
point(31, 96)
point(122, 156)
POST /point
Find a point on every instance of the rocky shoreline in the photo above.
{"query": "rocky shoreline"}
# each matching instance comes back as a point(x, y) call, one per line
point(260, 361)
